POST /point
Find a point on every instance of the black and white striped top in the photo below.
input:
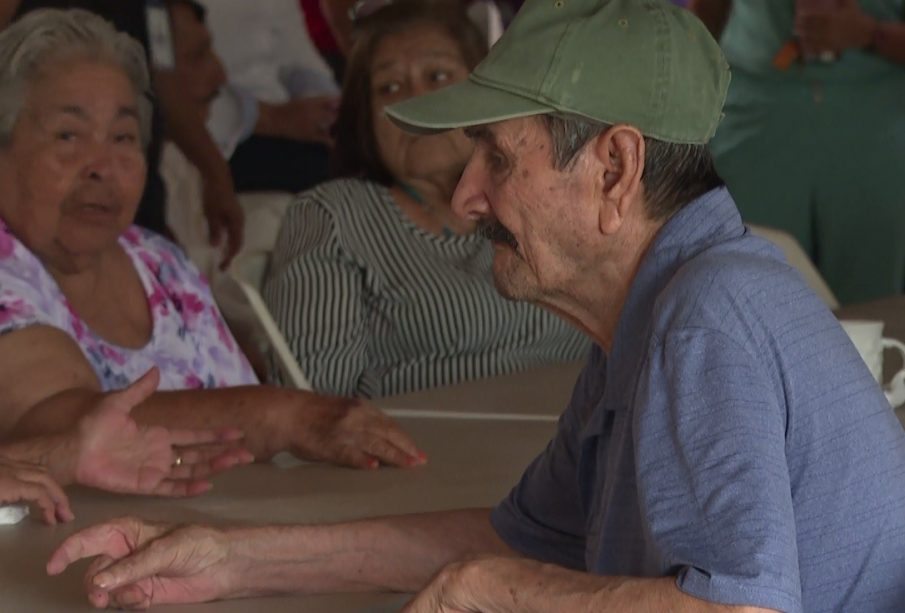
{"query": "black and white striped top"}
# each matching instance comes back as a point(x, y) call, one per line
point(373, 305)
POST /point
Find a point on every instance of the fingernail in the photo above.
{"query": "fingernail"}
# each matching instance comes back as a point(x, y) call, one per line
point(422, 456)
point(373, 463)
point(103, 580)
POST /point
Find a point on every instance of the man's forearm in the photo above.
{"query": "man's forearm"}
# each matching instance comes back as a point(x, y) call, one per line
point(397, 553)
point(526, 586)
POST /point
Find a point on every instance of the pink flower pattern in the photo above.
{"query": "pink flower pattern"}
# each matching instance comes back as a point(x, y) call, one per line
point(190, 342)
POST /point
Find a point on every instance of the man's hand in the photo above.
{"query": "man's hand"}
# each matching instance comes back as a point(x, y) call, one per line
point(301, 119)
point(23, 482)
point(138, 564)
point(114, 453)
point(835, 30)
point(223, 213)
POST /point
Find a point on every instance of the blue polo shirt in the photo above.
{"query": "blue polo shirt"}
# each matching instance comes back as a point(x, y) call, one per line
point(733, 438)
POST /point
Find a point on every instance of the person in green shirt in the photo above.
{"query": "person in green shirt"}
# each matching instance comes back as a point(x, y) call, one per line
point(813, 141)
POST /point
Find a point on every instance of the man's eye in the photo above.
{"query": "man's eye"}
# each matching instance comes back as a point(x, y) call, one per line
point(440, 76)
point(496, 160)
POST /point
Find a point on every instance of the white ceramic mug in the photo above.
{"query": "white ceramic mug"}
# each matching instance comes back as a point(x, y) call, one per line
point(868, 339)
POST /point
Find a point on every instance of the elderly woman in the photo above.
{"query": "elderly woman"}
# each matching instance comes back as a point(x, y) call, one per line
point(88, 303)
point(107, 450)
point(377, 285)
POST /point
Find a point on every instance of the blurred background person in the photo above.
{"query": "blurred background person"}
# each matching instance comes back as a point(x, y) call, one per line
point(107, 450)
point(377, 285)
point(89, 302)
point(273, 120)
point(813, 141)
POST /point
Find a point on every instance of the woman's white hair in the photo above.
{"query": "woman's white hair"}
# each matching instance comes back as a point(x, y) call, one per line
point(41, 38)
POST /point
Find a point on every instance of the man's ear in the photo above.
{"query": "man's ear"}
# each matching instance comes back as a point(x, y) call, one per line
point(619, 152)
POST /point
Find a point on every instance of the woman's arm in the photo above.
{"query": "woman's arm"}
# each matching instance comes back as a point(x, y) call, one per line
point(106, 449)
point(849, 27)
point(47, 385)
point(316, 295)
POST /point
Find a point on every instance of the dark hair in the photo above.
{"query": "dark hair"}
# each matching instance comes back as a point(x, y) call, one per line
point(674, 173)
point(355, 153)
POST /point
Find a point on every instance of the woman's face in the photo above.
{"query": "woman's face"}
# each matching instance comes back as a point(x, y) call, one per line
point(407, 64)
point(74, 169)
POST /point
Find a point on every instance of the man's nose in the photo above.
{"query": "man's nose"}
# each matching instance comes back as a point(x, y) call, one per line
point(469, 200)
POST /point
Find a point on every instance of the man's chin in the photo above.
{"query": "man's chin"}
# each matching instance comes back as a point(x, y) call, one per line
point(506, 278)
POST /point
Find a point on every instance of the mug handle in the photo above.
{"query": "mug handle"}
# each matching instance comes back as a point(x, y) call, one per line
point(895, 390)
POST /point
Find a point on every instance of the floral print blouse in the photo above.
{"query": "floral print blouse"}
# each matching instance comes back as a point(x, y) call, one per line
point(190, 343)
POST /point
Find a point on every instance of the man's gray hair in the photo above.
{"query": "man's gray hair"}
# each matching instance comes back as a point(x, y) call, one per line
point(674, 173)
point(44, 37)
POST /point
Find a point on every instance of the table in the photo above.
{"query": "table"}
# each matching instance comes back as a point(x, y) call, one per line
point(471, 463)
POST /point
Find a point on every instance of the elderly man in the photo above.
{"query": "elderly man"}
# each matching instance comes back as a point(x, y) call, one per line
point(724, 449)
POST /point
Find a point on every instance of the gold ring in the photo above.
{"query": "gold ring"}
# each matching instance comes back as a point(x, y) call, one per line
point(177, 461)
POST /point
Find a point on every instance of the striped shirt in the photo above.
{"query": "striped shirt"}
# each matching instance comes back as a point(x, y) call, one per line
point(373, 305)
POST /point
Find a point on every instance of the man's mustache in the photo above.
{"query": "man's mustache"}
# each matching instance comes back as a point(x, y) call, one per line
point(496, 232)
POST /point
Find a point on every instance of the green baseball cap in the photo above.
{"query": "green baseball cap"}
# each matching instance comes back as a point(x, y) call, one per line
point(647, 63)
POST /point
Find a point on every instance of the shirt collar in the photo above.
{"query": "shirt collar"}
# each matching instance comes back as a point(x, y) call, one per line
point(706, 221)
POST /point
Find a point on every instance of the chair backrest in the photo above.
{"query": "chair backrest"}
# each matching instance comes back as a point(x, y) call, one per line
point(237, 293)
point(799, 260)
point(238, 290)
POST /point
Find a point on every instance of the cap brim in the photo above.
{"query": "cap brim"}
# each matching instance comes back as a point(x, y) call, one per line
point(464, 104)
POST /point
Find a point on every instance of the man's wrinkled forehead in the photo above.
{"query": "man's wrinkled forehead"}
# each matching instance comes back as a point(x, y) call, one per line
point(508, 134)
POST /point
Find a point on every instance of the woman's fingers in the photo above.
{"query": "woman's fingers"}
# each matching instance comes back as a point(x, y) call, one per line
point(396, 436)
point(202, 462)
point(183, 437)
point(181, 488)
point(38, 487)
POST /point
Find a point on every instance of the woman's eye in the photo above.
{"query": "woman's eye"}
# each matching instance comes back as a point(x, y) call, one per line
point(66, 136)
point(125, 138)
point(388, 89)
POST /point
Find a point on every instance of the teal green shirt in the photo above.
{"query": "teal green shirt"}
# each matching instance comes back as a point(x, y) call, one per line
point(757, 30)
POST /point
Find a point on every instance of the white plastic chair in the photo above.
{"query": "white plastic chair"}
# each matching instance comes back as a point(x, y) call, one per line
point(799, 260)
point(237, 292)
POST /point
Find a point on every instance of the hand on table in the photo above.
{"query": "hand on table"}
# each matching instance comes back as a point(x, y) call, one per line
point(114, 453)
point(343, 431)
point(835, 30)
point(138, 564)
point(23, 482)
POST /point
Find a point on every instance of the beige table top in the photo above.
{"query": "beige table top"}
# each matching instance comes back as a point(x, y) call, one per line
point(471, 463)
